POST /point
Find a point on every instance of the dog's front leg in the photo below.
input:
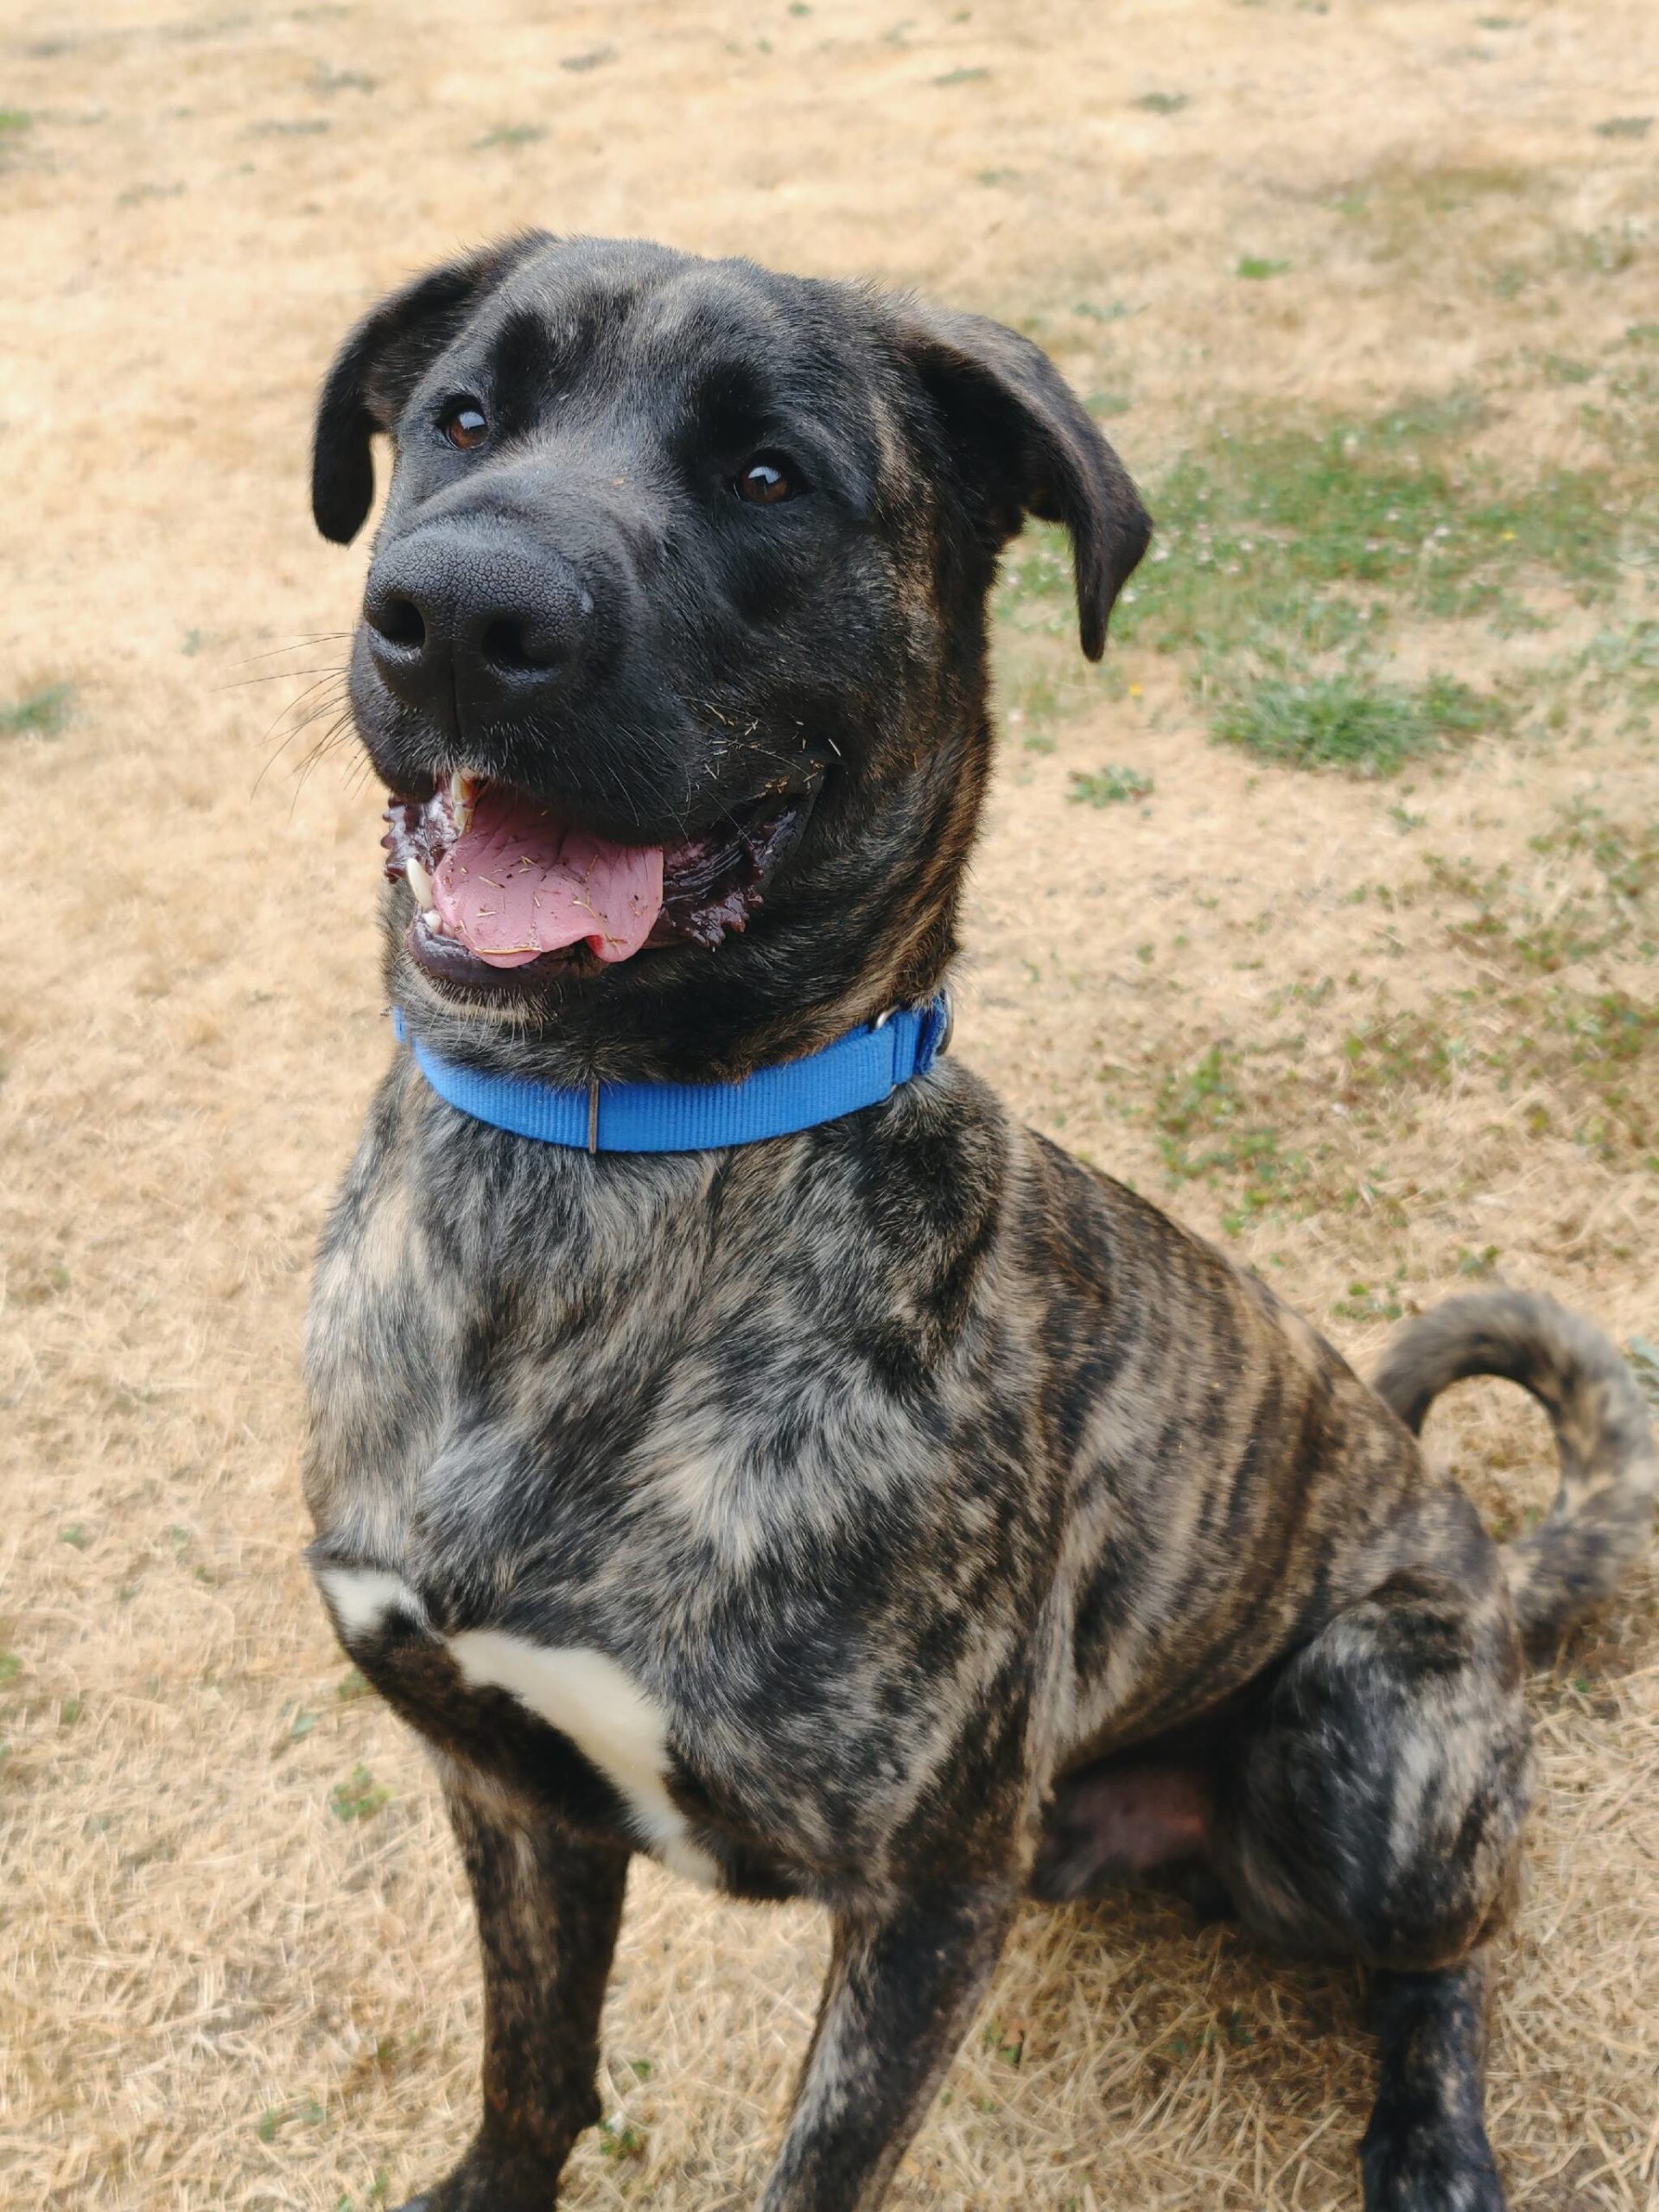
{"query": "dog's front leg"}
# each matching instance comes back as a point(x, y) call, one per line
point(548, 1911)
point(901, 1989)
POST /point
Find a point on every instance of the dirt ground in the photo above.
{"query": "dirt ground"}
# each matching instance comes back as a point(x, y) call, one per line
point(1380, 1035)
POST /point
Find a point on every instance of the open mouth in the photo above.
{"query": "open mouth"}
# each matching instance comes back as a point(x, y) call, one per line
point(507, 889)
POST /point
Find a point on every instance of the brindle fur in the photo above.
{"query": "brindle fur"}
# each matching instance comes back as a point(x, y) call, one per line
point(978, 1529)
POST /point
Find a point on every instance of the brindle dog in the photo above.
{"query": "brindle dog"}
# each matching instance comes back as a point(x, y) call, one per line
point(898, 1514)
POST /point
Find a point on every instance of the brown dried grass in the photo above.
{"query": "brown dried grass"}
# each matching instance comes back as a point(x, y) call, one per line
point(191, 1943)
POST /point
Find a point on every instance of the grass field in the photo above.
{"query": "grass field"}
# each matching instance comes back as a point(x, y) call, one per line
point(1327, 911)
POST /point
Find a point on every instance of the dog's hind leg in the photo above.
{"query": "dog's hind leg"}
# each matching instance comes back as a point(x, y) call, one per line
point(548, 1907)
point(901, 1989)
point(1426, 2149)
point(1372, 1808)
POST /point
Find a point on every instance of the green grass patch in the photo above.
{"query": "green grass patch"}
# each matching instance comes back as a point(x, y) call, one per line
point(1626, 855)
point(1626, 417)
point(1547, 1032)
point(621, 2140)
point(1304, 539)
point(1110, 786)
point(1561, 368)
point(1584, 1045)
point(1598, 1052)
point(379, 2189)
point(37, 714)
point(509, 134)
point(306, 2113)
point(359, 1799)
point(1202, 1119)
point(1395, 1055)
point(1363, 727)
point(1286, 559)
point(1539, 935)
point(1420, 212)
point(1368, 1302)
point(1256, 269)
point(1210, 1130)
point(1162, 103)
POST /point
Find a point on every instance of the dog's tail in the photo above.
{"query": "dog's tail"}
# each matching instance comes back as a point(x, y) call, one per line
point(1599, 1524)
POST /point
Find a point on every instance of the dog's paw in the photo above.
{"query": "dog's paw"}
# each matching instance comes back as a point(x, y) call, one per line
point(1430, 2168)
point(478, 2186)
point(475, 2192)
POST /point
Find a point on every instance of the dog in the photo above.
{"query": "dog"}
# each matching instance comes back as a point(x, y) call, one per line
point(893, 1513)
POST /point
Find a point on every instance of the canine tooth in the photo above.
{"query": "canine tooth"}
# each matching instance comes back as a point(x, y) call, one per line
point(429, 915)
point(419, 882)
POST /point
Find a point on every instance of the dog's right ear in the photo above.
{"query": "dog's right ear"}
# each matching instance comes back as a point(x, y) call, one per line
point(378, 366)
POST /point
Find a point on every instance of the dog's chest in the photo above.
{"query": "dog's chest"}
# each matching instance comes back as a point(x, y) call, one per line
point(625, 1509)
point(670, 1532)
point(740, 1714)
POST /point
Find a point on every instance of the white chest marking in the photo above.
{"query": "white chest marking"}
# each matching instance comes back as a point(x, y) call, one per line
point(599, 1706)
point(362, 1596)
point(585, 1695)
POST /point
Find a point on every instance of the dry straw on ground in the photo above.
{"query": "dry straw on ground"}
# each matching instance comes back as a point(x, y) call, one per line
point(1339, 1014)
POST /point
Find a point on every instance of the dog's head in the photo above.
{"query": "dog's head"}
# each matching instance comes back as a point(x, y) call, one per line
point(672, 649)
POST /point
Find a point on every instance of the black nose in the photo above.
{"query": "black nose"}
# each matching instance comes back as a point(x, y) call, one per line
point(474, 621)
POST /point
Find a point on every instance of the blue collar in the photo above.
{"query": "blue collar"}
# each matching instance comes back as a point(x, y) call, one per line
point(859, 1070)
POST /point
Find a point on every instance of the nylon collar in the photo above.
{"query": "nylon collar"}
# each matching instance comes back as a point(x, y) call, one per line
point(859, 1070)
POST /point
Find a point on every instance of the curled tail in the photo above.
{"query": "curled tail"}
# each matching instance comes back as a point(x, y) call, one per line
point(1599, 1524)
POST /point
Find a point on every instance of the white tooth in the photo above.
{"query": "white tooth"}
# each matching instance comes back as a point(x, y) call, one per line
point(462, 786)
point(430, 917)
point(419, 882)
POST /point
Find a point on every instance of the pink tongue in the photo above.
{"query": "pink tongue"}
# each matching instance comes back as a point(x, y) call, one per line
point(518, 882)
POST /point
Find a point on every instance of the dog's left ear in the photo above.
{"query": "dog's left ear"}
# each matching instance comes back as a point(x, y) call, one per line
point(379, 365)
point(1022, 443)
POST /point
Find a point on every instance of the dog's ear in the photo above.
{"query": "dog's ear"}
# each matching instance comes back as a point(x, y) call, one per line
point(378, 366)
point(1022, 443)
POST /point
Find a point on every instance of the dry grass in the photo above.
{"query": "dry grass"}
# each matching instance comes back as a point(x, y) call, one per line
point(215, 1990)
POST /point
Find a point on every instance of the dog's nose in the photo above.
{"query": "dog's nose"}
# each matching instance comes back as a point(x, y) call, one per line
point(457, 618)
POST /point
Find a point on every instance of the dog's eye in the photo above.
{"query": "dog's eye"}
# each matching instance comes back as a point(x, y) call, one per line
point(765, 481)
point(463, 424)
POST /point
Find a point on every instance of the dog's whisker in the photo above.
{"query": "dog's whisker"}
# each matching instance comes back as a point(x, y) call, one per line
point(328, 742)
point(295, 646)
point(277, 676)
point(327, 683)
point(325, 706)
